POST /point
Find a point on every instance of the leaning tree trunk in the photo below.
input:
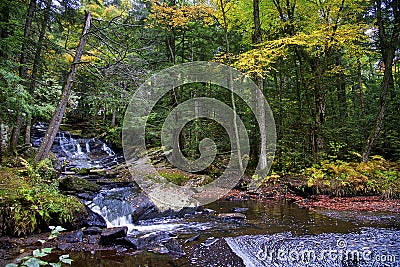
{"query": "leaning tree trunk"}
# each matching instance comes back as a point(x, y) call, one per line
point(56, 120)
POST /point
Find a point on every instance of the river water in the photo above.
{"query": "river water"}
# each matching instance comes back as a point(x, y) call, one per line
point(274, 233)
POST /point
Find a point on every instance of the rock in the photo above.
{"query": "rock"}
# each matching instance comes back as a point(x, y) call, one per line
point(74, 183)
point(80, 171)
point(63, 246)
point(144, 209)
point(98, 171)
point(174, 248)
point(193, 238)
point(109, 236)
point(209, 211)
point(86, 195)
point(147, 241)
point(74, 237)
point(126, 242)
point(93, 239)
point(90, 219)
point(239, 209)
point(92, 230)
point(68, 173)
point(159, 249)
point(231, 216)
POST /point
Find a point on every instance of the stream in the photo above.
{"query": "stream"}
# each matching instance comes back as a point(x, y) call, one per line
point(274, 233)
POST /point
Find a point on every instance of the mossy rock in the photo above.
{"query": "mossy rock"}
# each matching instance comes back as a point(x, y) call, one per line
point(73, 183)
point(80, 171)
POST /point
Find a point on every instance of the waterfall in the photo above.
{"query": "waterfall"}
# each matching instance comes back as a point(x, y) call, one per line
point(108, 150)
point(113, 206)
point(78, 148)
point(87, 146)
point(78, 152)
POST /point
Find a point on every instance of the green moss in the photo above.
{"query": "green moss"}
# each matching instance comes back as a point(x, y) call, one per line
point(28, 205)
point(73, 183)
point(174, 176)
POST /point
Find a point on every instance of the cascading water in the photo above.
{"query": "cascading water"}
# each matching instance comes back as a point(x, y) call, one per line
point(69, 150)
point(276, 227)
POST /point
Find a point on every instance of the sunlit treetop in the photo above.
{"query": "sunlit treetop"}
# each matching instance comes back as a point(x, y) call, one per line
point(179, 17)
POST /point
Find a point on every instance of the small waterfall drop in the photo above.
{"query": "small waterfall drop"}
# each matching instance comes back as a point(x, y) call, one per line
point(75, 152)
point(87, 146)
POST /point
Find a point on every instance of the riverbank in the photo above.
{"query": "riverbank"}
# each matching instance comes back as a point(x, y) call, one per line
point(319, 202)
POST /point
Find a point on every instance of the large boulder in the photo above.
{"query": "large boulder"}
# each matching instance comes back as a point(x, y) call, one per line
point(89, 218)
point(144, 209)
point(77, 184)
point(109, 236)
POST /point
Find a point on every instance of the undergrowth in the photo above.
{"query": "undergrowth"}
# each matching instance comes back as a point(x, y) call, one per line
point(30, 199)
point(377, 177)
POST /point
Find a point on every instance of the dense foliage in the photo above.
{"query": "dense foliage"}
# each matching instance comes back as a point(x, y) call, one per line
point(30, 199)
point(330, 70)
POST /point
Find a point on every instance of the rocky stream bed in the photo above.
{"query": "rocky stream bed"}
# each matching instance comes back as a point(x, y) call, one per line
point(125, 229)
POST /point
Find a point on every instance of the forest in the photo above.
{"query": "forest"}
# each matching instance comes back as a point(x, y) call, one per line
point(327, 69)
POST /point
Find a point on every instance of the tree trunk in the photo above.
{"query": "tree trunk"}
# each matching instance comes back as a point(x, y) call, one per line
point(57, 118)
point(23, 71)
point(3, 140)
point(388, 44)
point(36, 65)
point(387, 83)
point(360, 87)
point(114, 117)
point(257, 39)
point(230, 85)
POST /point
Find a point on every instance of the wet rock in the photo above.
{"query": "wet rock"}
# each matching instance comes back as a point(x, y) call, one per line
point(86, 195)
point(231, 216)
point(98, 171)
point(147, 241)
point(90, 219)
point(63, 247)
point(93, 239)
point(92, 230)
point(77, 184)
point(209, 211)
point(126, 242)
point(144, 209)
point(236, 209)
point(74, 237)
point(174, 248)
point(209, 241)
point(159, 249)
point(194, 238)
point(80, 171)
point(240, 198)
point(109, 236)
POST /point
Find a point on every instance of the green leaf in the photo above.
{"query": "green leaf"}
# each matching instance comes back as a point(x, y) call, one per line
point(65, 259)
point(11, 265)
point(47, 250)
point(38, 253)
point(33, 262)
